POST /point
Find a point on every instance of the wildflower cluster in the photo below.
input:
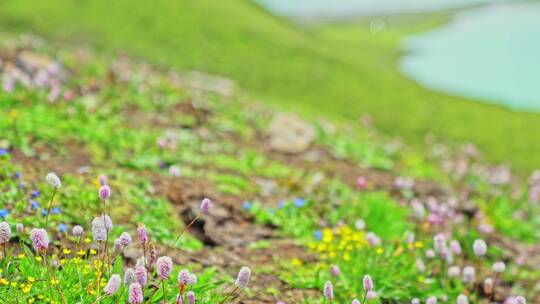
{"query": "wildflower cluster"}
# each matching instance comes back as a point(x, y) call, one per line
point(92, 267)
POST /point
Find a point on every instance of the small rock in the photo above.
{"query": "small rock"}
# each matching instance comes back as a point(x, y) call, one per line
point(290, 134)
point(212, 83)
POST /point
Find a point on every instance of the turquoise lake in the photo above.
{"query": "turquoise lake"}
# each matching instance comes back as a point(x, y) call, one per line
point(490, 53)
point(343, 8)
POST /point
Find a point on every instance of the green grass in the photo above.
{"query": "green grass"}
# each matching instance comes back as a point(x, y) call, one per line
point(337, 70)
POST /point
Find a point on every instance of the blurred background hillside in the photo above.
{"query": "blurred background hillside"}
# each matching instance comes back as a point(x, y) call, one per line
point(463, 71)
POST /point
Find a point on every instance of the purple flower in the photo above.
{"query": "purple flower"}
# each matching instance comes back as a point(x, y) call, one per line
point(164, 267)
point(99, 232)
point(360, 224)
point(520, 300)
point(125, 239)
point(431, 300)
point(361, 182)
point(129, 276)
point(117, 245)
point(104, 192)
point(205, 205)
point(113, 285)
point(371, 294)
point(455, 247)
point(462, 299)
point(335, 271)
point(183, 277)
point(192, 279)
point(469, 274)
point(135, 294)
point(141, 275)
point(479, 247)
point(367, 282)
point(373, 239)
point(420, 266)
point(499, 267)
point(108, 222)
point(40, 239)
point(191, 297)
point(242, 279)
point(5, 233)
point(179, 299)
point(439, 241)
point(174, 170)
point(415, 301)
point(142, 233)
point(454, 271)
point(328, 290)
point(355, 301)
point(77, 230)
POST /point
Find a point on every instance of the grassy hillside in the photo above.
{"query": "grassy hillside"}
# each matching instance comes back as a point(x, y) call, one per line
point(340, 71)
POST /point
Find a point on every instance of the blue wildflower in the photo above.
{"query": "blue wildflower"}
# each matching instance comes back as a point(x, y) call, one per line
point(35, 193)
point(62, 228)
point(4, 213)
point(21, 185)
point(317, 234)
point(44, 212)
point(3, 152)
point(55, 210)
point(247, 205)
point(35, 205)
point(299, 202)
point(18, 175)
point(281, 204)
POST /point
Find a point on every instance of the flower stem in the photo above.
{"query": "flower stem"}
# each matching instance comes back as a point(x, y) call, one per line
point(492, 295)
point(100, 273)
point(164, 290)
point(230, 294)
point(49, 208)
point(185, 229)
point(121, 293)
point(54, 279)
point(365, 297)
